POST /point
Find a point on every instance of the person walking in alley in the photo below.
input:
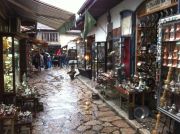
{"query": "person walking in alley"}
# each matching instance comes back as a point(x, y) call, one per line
point(66, 60)
point(36, 61)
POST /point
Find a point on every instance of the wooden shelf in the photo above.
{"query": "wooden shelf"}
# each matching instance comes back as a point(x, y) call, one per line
point(159, 9)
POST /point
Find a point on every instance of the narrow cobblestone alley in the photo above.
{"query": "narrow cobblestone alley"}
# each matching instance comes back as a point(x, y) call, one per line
point(69, 108)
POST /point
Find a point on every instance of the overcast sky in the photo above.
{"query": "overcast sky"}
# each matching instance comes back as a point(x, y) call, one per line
point(69, 5)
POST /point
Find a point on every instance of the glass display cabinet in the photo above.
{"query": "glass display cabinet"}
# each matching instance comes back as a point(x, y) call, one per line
point(7, 64)
point(84, 59)
point(80, 55)
point(84, 55)
point(113, 57)
point(10, 64)
point(168, 64)
point(98, 59)
point(87, 55)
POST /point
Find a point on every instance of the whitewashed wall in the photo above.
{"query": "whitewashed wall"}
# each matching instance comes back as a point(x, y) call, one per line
point(67, 39)
point(100, 30)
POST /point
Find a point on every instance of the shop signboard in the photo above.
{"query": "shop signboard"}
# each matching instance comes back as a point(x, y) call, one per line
point(153, 5)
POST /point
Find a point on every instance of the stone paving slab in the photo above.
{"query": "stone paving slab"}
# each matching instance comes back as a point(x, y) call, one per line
point(91, 85)
point(70, 109)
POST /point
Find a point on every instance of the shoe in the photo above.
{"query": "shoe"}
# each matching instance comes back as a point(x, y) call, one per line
point(170, 63)
point(178, 27)
point(165, 56)
point(178, 65)
point(175, 49)
point(170, 56)
point(167, 30)
point(165, 50)
point(165, 62)
point(177, 31)
point(175, 56)
point(174, 63)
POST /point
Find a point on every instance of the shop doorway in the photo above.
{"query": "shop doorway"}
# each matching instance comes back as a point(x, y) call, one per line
point(126, 55)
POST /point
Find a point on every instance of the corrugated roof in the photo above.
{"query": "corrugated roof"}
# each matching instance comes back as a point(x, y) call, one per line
point(41, 12)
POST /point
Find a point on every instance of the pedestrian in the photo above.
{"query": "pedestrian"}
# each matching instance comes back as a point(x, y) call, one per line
point(49, 61)
point(60, 61)
point(67, 60)
point(45, 60)
point(36, 61)
point(41, 60)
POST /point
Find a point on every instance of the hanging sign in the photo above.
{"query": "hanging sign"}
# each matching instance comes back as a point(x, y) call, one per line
point(153, 5)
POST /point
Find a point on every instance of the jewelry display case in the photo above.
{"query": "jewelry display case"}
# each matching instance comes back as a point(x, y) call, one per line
point(84, 58)
point(10, 64)
point(117, 57)
point(80, 55)
point(7, 64)
point(168, 64)
point(98, 59)
point(113, 57)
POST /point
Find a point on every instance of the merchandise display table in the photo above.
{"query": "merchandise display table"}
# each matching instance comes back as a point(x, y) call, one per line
point(128, 99)
point(27, 103)
point(24, 123)
point(7, 123)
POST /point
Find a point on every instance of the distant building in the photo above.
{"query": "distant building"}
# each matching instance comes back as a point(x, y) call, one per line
point(48, 34)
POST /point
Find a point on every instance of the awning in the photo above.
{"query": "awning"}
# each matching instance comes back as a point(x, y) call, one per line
point(41, 12)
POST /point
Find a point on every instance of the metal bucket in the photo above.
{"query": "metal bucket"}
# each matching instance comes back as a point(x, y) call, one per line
point(141, 112)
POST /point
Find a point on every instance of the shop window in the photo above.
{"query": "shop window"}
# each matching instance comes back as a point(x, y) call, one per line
point(50, 36)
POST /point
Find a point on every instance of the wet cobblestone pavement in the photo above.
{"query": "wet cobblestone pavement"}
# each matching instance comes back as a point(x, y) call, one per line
point(69, 108)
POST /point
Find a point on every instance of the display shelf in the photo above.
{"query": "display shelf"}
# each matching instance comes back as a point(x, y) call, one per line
point(98, 59)
point(177, 118)
point(10, 65)
point(168, 68)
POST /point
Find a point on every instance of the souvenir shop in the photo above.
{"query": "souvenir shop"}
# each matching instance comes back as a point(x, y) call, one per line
point(137, 65)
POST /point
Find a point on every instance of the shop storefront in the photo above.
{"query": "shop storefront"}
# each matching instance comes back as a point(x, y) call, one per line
point(124, 58)
point(19, 100)
point(84, 56)
point(149, 44)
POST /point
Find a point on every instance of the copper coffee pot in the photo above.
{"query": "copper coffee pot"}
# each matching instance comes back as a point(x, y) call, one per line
point(172, 33)
point(165, 53)
point(165, 62)
point(170, 60)
point(174, 63)
point(177, 31)
point(166, 34)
